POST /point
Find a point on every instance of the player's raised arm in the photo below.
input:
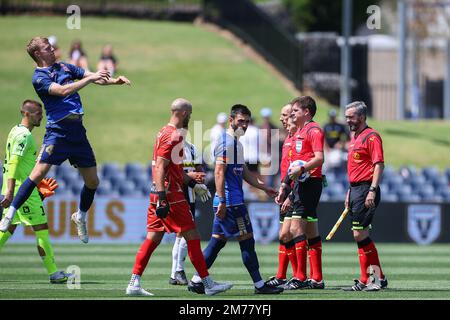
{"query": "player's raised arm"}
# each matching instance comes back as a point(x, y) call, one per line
point(70, 88)
point(110, 81)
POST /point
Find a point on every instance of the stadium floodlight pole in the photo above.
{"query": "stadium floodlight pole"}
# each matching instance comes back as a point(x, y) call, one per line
point(447, 85)
point(401, 11)
point(346, 54)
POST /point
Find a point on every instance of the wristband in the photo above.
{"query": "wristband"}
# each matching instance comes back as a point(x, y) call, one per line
point(192, 183)
point(161, 195)
point(222, 200)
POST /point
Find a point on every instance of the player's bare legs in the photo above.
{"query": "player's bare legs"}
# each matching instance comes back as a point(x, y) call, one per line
point(24, 192)
point(91, 183)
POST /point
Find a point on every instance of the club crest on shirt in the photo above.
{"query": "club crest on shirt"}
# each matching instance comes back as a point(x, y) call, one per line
point(49, 149)
point(238, 171)
point(298, 146)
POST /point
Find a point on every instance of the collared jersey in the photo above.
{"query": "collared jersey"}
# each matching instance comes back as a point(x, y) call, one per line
point(21, 153)
point(364, 152)
point(229, 151)
point(56, 107)
point(169, 145)
point(305, 142)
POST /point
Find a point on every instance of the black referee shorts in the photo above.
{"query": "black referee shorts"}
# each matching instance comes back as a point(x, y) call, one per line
point(306, 199)
point(362, 216)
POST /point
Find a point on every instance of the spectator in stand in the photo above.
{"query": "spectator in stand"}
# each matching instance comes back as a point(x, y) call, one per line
point(336, 140)
point(216, 134)
point(108, 60)
point(77, 56)
point(266, 142)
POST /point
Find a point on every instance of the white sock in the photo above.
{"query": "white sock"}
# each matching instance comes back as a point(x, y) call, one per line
point(135, 280)
point(182, 253)
point(175, 249)
point(11, 212)
point(81, 215)
point(196, 278)
point(259, 284)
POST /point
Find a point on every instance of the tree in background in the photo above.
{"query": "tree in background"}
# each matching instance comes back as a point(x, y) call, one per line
point(325, 15)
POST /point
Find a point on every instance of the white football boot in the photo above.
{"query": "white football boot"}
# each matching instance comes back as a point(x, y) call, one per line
point(81, 227)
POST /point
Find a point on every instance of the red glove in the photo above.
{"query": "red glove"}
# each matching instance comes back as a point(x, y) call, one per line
point(46, 187)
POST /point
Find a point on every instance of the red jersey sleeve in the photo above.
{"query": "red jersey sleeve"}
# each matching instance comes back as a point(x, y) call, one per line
point(167, 141)
point(316, 137)
point(375, 147)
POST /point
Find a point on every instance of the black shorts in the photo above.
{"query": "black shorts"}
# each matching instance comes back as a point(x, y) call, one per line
point(306, 199)
point(285, 215)
point(361, 216)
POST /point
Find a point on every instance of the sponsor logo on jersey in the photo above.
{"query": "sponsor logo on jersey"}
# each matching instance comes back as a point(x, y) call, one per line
point(49, 149)
point(298, 146)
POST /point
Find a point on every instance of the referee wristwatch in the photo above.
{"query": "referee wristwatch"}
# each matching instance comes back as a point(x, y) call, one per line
point(372, 189)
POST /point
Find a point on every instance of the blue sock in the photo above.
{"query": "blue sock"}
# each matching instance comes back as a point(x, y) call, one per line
point(23, 193)
point(250, 259)
point(211, 251)
point(86, 198)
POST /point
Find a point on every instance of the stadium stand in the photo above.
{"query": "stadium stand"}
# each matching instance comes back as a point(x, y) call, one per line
point(407, 184)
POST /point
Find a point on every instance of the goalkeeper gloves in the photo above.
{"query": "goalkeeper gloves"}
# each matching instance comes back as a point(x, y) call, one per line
point(202, 191)
point(46, 187)
point(162, 205)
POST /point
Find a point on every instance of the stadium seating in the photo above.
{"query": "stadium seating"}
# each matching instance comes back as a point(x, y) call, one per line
point(134, 179)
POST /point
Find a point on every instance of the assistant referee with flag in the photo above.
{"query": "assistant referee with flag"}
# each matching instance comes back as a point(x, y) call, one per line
point(365, 167)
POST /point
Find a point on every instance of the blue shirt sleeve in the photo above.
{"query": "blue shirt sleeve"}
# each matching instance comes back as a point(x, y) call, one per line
point(41, 82)
point(78, 73)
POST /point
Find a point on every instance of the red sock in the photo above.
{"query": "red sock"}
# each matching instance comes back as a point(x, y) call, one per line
point(197, 258)
point(368, 256)
point(292, 259)
point(283, 262)
point(315, 260)
point(143, 255)
point(301, 253)
point(373, 258)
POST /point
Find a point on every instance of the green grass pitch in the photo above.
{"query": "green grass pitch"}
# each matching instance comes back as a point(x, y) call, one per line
point(164, 61)
point(414, 272)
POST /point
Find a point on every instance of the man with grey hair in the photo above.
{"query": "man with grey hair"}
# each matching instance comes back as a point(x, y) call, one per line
point(365, 166)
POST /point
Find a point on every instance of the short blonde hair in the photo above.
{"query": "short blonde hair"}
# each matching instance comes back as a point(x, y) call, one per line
point(33, 46)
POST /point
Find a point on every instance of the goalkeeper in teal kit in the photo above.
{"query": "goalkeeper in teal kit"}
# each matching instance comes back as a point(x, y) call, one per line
point(65, 137)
